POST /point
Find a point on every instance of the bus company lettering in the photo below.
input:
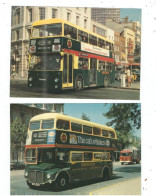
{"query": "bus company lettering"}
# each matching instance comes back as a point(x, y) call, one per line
point(88, 141)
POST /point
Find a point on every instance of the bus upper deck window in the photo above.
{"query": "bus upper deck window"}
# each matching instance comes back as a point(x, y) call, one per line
point(34, 125)
point(104, 133)
point(70, 31)
point(62, 124)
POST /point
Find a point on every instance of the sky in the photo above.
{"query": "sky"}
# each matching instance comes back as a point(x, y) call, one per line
point(93, 110)
point(133, 14)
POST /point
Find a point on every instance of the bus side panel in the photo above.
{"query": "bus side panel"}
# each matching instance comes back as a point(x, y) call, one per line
point(84, 74)
point(100, 79)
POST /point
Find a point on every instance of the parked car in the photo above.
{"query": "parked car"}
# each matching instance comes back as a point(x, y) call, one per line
point(17, 165)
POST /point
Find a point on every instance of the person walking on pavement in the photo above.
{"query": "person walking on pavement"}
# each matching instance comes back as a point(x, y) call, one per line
point(128, 78)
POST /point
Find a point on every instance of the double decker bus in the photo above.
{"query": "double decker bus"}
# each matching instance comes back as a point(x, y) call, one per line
point(63, 55)
point(61, 150)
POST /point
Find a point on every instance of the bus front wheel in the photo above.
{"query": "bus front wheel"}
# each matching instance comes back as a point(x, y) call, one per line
point(62, 182)
point(78, 84)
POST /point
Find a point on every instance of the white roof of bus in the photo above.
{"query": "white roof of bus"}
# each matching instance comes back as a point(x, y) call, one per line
point(47, 116)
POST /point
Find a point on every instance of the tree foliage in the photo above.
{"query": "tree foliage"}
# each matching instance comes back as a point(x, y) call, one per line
point(124, 118)
point(85, 117)
point(17, 135)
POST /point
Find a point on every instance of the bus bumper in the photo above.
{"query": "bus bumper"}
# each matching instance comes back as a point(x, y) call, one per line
point(45, 80)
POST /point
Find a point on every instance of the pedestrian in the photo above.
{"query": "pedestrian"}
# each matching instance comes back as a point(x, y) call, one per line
point(128, 78)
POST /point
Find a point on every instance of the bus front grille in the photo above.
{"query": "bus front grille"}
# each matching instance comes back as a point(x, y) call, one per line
point(36, 177)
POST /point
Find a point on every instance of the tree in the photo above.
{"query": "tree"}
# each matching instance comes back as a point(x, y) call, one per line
point(124, 118)
point(18, 136)
point(85, 117)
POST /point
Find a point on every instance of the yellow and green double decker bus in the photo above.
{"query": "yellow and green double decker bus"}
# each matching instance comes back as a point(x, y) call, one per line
point(63, 55)
point(61, 150)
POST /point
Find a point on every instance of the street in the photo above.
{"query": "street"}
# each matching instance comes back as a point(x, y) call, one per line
point(19, 88)
point(124, 178)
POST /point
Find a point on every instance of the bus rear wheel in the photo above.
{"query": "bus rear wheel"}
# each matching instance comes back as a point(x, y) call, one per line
point(105, 174)
point(62, 182)
point(78, 84)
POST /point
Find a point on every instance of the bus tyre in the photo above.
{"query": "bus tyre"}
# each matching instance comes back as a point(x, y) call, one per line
point(62, 182)
point(105, 174)
point(106, 81)
point(78, 84)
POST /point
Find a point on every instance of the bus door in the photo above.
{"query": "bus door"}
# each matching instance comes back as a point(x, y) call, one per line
point(93, 70)
point(67, 71)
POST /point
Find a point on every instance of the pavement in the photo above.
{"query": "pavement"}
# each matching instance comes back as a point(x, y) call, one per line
point(128, 187)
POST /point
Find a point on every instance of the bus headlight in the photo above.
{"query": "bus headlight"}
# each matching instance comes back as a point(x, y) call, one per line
point(30, 85)
point(48, 176)
point(56, 86)
point(30, 79)
point(56, 79)
point(26, 173)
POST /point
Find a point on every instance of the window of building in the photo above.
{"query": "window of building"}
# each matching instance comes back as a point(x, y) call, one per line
point(70, 31)
point(85, 10)
point(29, 15)
point(85, 23)
point(87, 129)
point(77, 20)
point(42, 13)
point(68, 16)
point(76, 127)
point(54, 13)
point(18, 16)
point(83, 63)
point(28, 33)
point(62, 124)
point(17, 35)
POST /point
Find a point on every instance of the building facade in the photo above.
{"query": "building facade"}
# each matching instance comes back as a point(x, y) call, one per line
point(101, 14)
point(22, 19)
point(25, 112)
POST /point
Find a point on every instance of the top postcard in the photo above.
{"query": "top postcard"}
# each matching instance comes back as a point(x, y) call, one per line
point(75, 52)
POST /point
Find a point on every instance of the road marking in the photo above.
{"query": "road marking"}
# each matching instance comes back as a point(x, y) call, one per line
point(91, 193)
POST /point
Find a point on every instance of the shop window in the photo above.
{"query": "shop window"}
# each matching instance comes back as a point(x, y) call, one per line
point(83, 63)
point(62, 124)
